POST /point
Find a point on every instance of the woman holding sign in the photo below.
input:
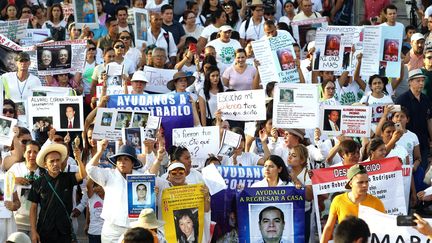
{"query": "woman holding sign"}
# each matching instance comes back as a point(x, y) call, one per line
point(275, 173)
point(239, 76)
point(208, 96)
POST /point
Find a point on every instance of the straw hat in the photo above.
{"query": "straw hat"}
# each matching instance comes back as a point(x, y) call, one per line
point(54, 147)
point(178, 75)
point(147, 219)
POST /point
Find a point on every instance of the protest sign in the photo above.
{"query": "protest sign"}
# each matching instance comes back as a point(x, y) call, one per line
point(64, 113)
point(68, 9)
point(242, 105)
point(141, 193)
point(61, 57)
point(111, 90)
point(110, 122)
point(230, 141)
point(6, 130)
point(381, 51)
point(134, 137)
point(383, 227)
point(383, 175)
point(200, 141)
point(180, 203)
point(304, 31)
point(158, 79)
point(296, 106)
point(152, 127)
point(111, 150)
point(4, 212)
point(333, 48)
point(14, 29)
point(354, 121)
point(52, 91)
point(8, 51)
point(174, 109)
point(281, 64)
point(223, 203)
point(86, 14)
point(272, 203)
point(35, 36)
point(141, 24)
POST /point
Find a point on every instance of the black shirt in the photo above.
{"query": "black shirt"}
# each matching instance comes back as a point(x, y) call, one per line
point(52, 215)
point(176, 30)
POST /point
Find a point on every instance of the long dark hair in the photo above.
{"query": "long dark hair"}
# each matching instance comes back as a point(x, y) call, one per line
point(208, 59)
point(207, 83)
point(232, 20)
point(384, 80)
point(206, 9)
point(179, 214)
point(50, 15)
point(176, 152)
point(284, 174)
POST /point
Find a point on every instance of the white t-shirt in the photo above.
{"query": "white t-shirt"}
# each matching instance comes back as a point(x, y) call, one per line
point(133, 55)
point(349, 94)
point(212, 104)
point(196, 33)
point(95, 205)
point(208, 30)
point(305, 179)
point(386, 99)
point(152, 6)
point(225, 52)
point(408, 141)
point(245, 159)
point(19, 91)
point(253, 31)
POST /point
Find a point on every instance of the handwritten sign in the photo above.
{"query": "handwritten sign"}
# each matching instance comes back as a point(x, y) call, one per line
point(158, 79)
point(200, 141)
point(242, 105)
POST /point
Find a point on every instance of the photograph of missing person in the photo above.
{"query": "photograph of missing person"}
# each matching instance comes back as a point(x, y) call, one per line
point(87, 9)
point(141, 25)
point(44, 58)
point(123, 119)
point(140, 119)
point(271, 222)
point(391, 50)
point(141, 193)
point(5, 127)
point(41, 127)
point(150, 133)
point(286, 95)
point(286, 59)
point(106, 119)
point(332, 120)
point(346, 57)
point(110, 151)
point(382, 68)
point(20, 108)
point(226, 150)
point(332, 45)
point(54, 58)
point(133, 138)
point(8, 63)
point(63, 57)
point(307, 34)
point(69, 116)
point(114, 80)
point(186, 224)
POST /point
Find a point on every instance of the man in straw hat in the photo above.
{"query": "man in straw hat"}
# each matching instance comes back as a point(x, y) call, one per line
point(53, 192)
point(253, 27)
point(147, 219)
point(347, 204)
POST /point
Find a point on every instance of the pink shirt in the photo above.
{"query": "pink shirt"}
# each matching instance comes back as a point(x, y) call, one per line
point(240, 81)
point(415, 62)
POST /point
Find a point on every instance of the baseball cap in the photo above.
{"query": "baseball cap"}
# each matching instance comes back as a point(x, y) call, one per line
point(417, 36)
point(353, 171)
point(22, 56)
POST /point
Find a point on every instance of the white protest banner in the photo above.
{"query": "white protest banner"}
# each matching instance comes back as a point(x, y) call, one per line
point(35, 36)
point(85, 14)
point(200, 141)
point(382, 46)
point(51, 91)
point(14, 29)
point(242, 105)
point(352, 121)
point(384, 229)
point(385, 177)
point(6, 130)
point(158, 79)
point(6, 42)
point(333, 48)
point(64, 113)
point(109, 123)
point(152, 127)
point(296, 106)
point(141, 24)
point(230, 141)
point(304, 31)
point(111, 90)
point(280, 65)
point(61, 57)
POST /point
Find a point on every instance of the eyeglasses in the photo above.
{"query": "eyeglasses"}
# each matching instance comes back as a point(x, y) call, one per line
point(429, 57)
point(5, 110)
point(259, 9)
point(125, 38)
point(92, 49)
point(178, 172)
point(24, 141)
point(119, 46)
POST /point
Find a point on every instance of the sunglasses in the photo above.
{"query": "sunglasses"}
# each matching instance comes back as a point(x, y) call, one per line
point(8, 111)
point(92, 49)
point(429, 57)
point(125, 38)
point(178, 172)
point(24, 141)
point(119, 46)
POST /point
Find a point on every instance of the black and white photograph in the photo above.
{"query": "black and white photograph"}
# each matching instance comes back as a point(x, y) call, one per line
point(286, 95)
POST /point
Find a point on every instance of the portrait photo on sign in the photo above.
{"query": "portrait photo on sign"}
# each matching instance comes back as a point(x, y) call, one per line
point(69, 116)
point(123, 119)
point(271, 222)
point(141, 25)
point(391, 50)
point(140, 119)
point(132, 138)
point(286, 59)
point(41, 127)
point(45, 58)
point(186, 225)
point(332, 120)
point(141, 193)
point(5, 127)
point(226, 150)
point(286, 95)
point(106, 119)
point(150, 133)
point(7, 63)
point(85, 11)
point(307, 34)
point(109, 151)
point(64, 55)
point(20, 108)
point(332, 45)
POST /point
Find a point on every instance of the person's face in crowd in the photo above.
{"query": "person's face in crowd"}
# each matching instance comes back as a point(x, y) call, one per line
point(328, 75)
point(53, 163)
point(206, 67)
point(258, 12)
point(40, 13)
point(418, 46)
point(294, 159)
point(138, 86)
point(289, 8)
point(222, 19)
point(177, 176)
point(156, 21)
point(191, 18)
point(10, 62)
point(210, 51)
point(75, 32)
point(228, 9)
point(307, 7)
point(269, 16)
point(11, 12)
point(98, 6)
point(63, 78)
point(379, 153)
point(333, 116)
point(63, 56)
point(427, 60)
point(91, 51)
point(168, 16)
point(391, 15)
point(400, 117)
point(26, 13)
point(329, 90)
point(195, 9)
point(158, 58)
point(181, 84)
point(310, 35)
point(122, 16)
point(126, 38)
point(30, 154)
point(186, 159)
point(249, 50)
point(271, 226)
point(213, 3)
point(268, 126)
point(360, 184)
point(139, 4)
point(240, 58)
point(240, 148)
point(109, 56)
point(429, 24)
point(214, 78)
point(119, 48)
point(297, 52)
point(141, 192)
point(225, 125)
point(388, 133)
point(416, 84)
point(410, 33)
point(270, 31)
point(186, 225)
point(377, 85)
point(8, 111)
point(46, 57)
point(291, 140)
point(70, 113)
point(351, 158)
point(113, 28)
point(24, 139)
point(124, 164)
point(225, 35)
point(271, 171)
point(56, 13)
point(90, 139)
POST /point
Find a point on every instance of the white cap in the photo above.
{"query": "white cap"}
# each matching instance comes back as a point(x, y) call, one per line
point(176, 165)
point(225, 28)
point(417, 36)
point(139, 76)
